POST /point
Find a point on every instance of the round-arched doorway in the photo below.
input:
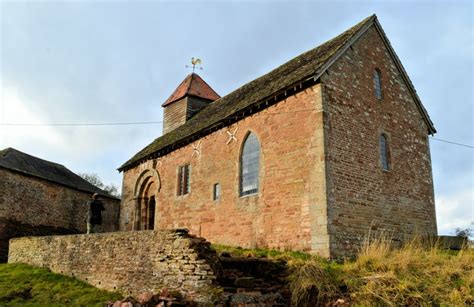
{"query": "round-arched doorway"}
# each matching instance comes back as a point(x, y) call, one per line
point(146, 194)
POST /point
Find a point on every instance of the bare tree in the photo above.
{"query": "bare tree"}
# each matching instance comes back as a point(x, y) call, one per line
point(464, 232)
point(94, 179)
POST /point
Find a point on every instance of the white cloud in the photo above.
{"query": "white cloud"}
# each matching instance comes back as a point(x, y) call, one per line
point(455, 211)
point(72, 141)
point(16, 110)
point(91, 149)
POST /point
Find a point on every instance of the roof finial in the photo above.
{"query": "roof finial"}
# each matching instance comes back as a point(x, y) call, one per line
point(195, 62)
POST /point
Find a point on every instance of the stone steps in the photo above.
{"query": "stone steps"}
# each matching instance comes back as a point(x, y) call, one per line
point(247, 282)
point(254, 282)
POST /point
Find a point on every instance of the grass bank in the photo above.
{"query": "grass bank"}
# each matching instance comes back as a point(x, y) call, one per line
point(23, 285)
point(414, 275)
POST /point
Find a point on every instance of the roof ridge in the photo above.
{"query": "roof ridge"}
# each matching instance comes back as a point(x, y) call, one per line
point(309, 65)
point(207, 84)
point(296, 58)
point(295, 70)
point(18, 161)
point(171, 98)
point(191, 75)
point(14, 150)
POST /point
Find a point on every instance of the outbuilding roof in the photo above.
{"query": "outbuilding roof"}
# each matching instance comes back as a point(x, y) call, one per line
point(307, 66)
point(23, 163)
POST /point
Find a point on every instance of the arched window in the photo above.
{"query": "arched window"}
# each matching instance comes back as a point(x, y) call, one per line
point(384, 152)
point(249, 165)
point(378, 83)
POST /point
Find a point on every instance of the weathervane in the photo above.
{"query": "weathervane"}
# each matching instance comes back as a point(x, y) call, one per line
point(195, 62)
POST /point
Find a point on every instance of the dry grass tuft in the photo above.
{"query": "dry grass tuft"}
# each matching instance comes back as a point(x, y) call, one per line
point(314, 283)
point(416, 274)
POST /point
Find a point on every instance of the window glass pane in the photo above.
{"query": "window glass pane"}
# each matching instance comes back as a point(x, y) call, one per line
point(249, 166)
point(180, 180)
point(183, 180)
point(217, 191)
point(377, 84)
point(384, 152)
point(186, 179)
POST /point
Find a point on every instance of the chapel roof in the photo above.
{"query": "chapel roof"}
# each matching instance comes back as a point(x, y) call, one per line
point(192, 85)
point(307, 66)
point(23, 163)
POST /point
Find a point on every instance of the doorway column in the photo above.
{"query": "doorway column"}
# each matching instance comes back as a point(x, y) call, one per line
point(136, 213)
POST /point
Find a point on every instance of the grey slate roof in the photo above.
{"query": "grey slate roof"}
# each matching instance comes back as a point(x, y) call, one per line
point(305, 66)
point(21, 162)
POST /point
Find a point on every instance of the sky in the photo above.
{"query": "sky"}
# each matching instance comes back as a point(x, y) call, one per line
point(76, 62)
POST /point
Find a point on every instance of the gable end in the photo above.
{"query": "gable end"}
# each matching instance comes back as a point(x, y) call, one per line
point(403, 73)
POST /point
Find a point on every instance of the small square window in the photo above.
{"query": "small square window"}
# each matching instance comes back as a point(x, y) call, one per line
point(216, 192)
point(183, 180)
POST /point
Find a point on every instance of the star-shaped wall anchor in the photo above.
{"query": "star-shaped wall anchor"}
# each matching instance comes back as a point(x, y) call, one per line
point(196, 150)
point(232, 136)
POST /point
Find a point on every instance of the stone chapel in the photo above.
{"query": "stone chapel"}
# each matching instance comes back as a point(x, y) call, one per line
point(311, 156)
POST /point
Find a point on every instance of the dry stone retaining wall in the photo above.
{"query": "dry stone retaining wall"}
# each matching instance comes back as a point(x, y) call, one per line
point(128, 262)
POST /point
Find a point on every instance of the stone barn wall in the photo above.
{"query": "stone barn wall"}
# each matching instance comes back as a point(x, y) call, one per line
point(32, 206)
point(128, 262)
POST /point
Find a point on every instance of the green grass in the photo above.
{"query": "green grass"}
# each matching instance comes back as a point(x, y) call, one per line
point(261, 253)
point(23, 285)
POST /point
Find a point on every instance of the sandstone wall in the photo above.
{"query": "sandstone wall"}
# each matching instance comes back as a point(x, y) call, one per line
point(33, 206)
point(289, 210)
point(321, 179)
point(361, 195)
point(127, 262)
